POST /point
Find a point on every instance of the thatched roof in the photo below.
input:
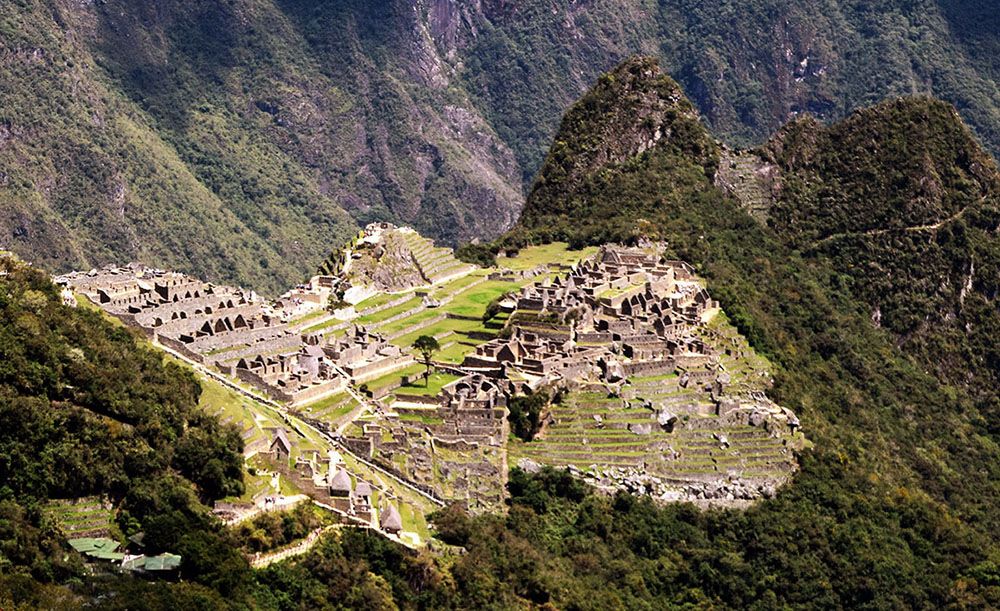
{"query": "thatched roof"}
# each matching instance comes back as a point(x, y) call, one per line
point(391, 520)
point(341, 481)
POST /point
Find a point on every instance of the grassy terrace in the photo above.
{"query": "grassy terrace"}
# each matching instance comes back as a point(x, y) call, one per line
point(435, 383)
point(423, 316)
point(457, 285)
point(456, 352)
point(233, 407)
point(473, 301)
point(308, 317)
point(332, 409)
point(376, 300)
point(391, 378)
point(643, 380)
point(577, 439)
point(533, 256)
point(612, 293)
point(326, 324)
point(388, 313)
point(85, 515)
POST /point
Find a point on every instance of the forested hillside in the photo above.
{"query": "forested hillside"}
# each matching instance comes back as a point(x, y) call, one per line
point(87, 411)
point(242, 141)
point(903, 197)
point(892, 419)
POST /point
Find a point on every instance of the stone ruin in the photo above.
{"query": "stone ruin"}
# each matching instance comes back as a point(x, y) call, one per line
point(450, 444)
point(629, 335)
point(386, 258)
point(238, 333)
point(622, 317)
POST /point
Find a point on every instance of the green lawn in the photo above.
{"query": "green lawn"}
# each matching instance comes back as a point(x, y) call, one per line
point(435, 382)
point(389, 379)
point(459, 327)
point(389, 312)
point(533, 256)
point(455, 353)
point(310, 316)
point(403, 323)
point(376, 300)
point(657, 378)
point(457, 285)
point(473, 301)
point(330, 409)
point(323, 325)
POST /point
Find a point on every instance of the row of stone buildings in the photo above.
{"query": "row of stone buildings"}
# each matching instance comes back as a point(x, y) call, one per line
point(238, 333)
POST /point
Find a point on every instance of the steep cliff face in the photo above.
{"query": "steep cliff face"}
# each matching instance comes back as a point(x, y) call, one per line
point(237, 141)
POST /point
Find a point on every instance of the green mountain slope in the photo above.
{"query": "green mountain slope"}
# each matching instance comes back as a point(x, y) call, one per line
point(88, 412)
point(242, 141)
point(888, 414)
point(903, 197)
point(232, 141)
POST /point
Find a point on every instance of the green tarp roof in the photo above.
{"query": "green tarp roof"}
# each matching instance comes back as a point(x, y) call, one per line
point(103, 548)
point(94, 545)
point(163, 562)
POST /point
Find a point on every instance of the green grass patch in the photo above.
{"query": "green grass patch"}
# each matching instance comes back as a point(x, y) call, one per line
point(388, 313)
point(403, 323)
point(307, 317)
point(435, 383)
point(391, 378)
point(533, 256)
point(376, 300)
point(323, 325)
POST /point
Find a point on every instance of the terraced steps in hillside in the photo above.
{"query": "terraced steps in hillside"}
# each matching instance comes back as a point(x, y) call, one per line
point(746, 176)
point(687, 453)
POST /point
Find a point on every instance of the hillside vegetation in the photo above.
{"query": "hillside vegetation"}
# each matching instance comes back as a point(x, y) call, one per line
point(87, 411)
point(903, 196)
point(888, 419)
point(242, 141)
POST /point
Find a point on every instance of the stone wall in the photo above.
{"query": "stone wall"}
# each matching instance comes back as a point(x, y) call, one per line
point(376, 369)
point(180, 347)
point(411, 312)
point(417, 326)
point(387, 305)
point(649, 368)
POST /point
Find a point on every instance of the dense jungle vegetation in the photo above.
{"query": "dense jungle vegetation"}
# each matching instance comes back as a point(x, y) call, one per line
point(88, 411)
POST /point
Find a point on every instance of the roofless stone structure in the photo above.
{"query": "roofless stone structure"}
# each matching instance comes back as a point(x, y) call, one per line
point(660, 395)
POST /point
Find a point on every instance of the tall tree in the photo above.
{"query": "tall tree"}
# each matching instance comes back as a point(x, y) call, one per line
point(426, 345)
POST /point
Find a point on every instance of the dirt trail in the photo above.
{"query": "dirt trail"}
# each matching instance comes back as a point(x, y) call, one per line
point(876, 232)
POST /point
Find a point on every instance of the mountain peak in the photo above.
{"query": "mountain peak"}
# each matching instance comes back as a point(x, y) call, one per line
point(632, 111)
